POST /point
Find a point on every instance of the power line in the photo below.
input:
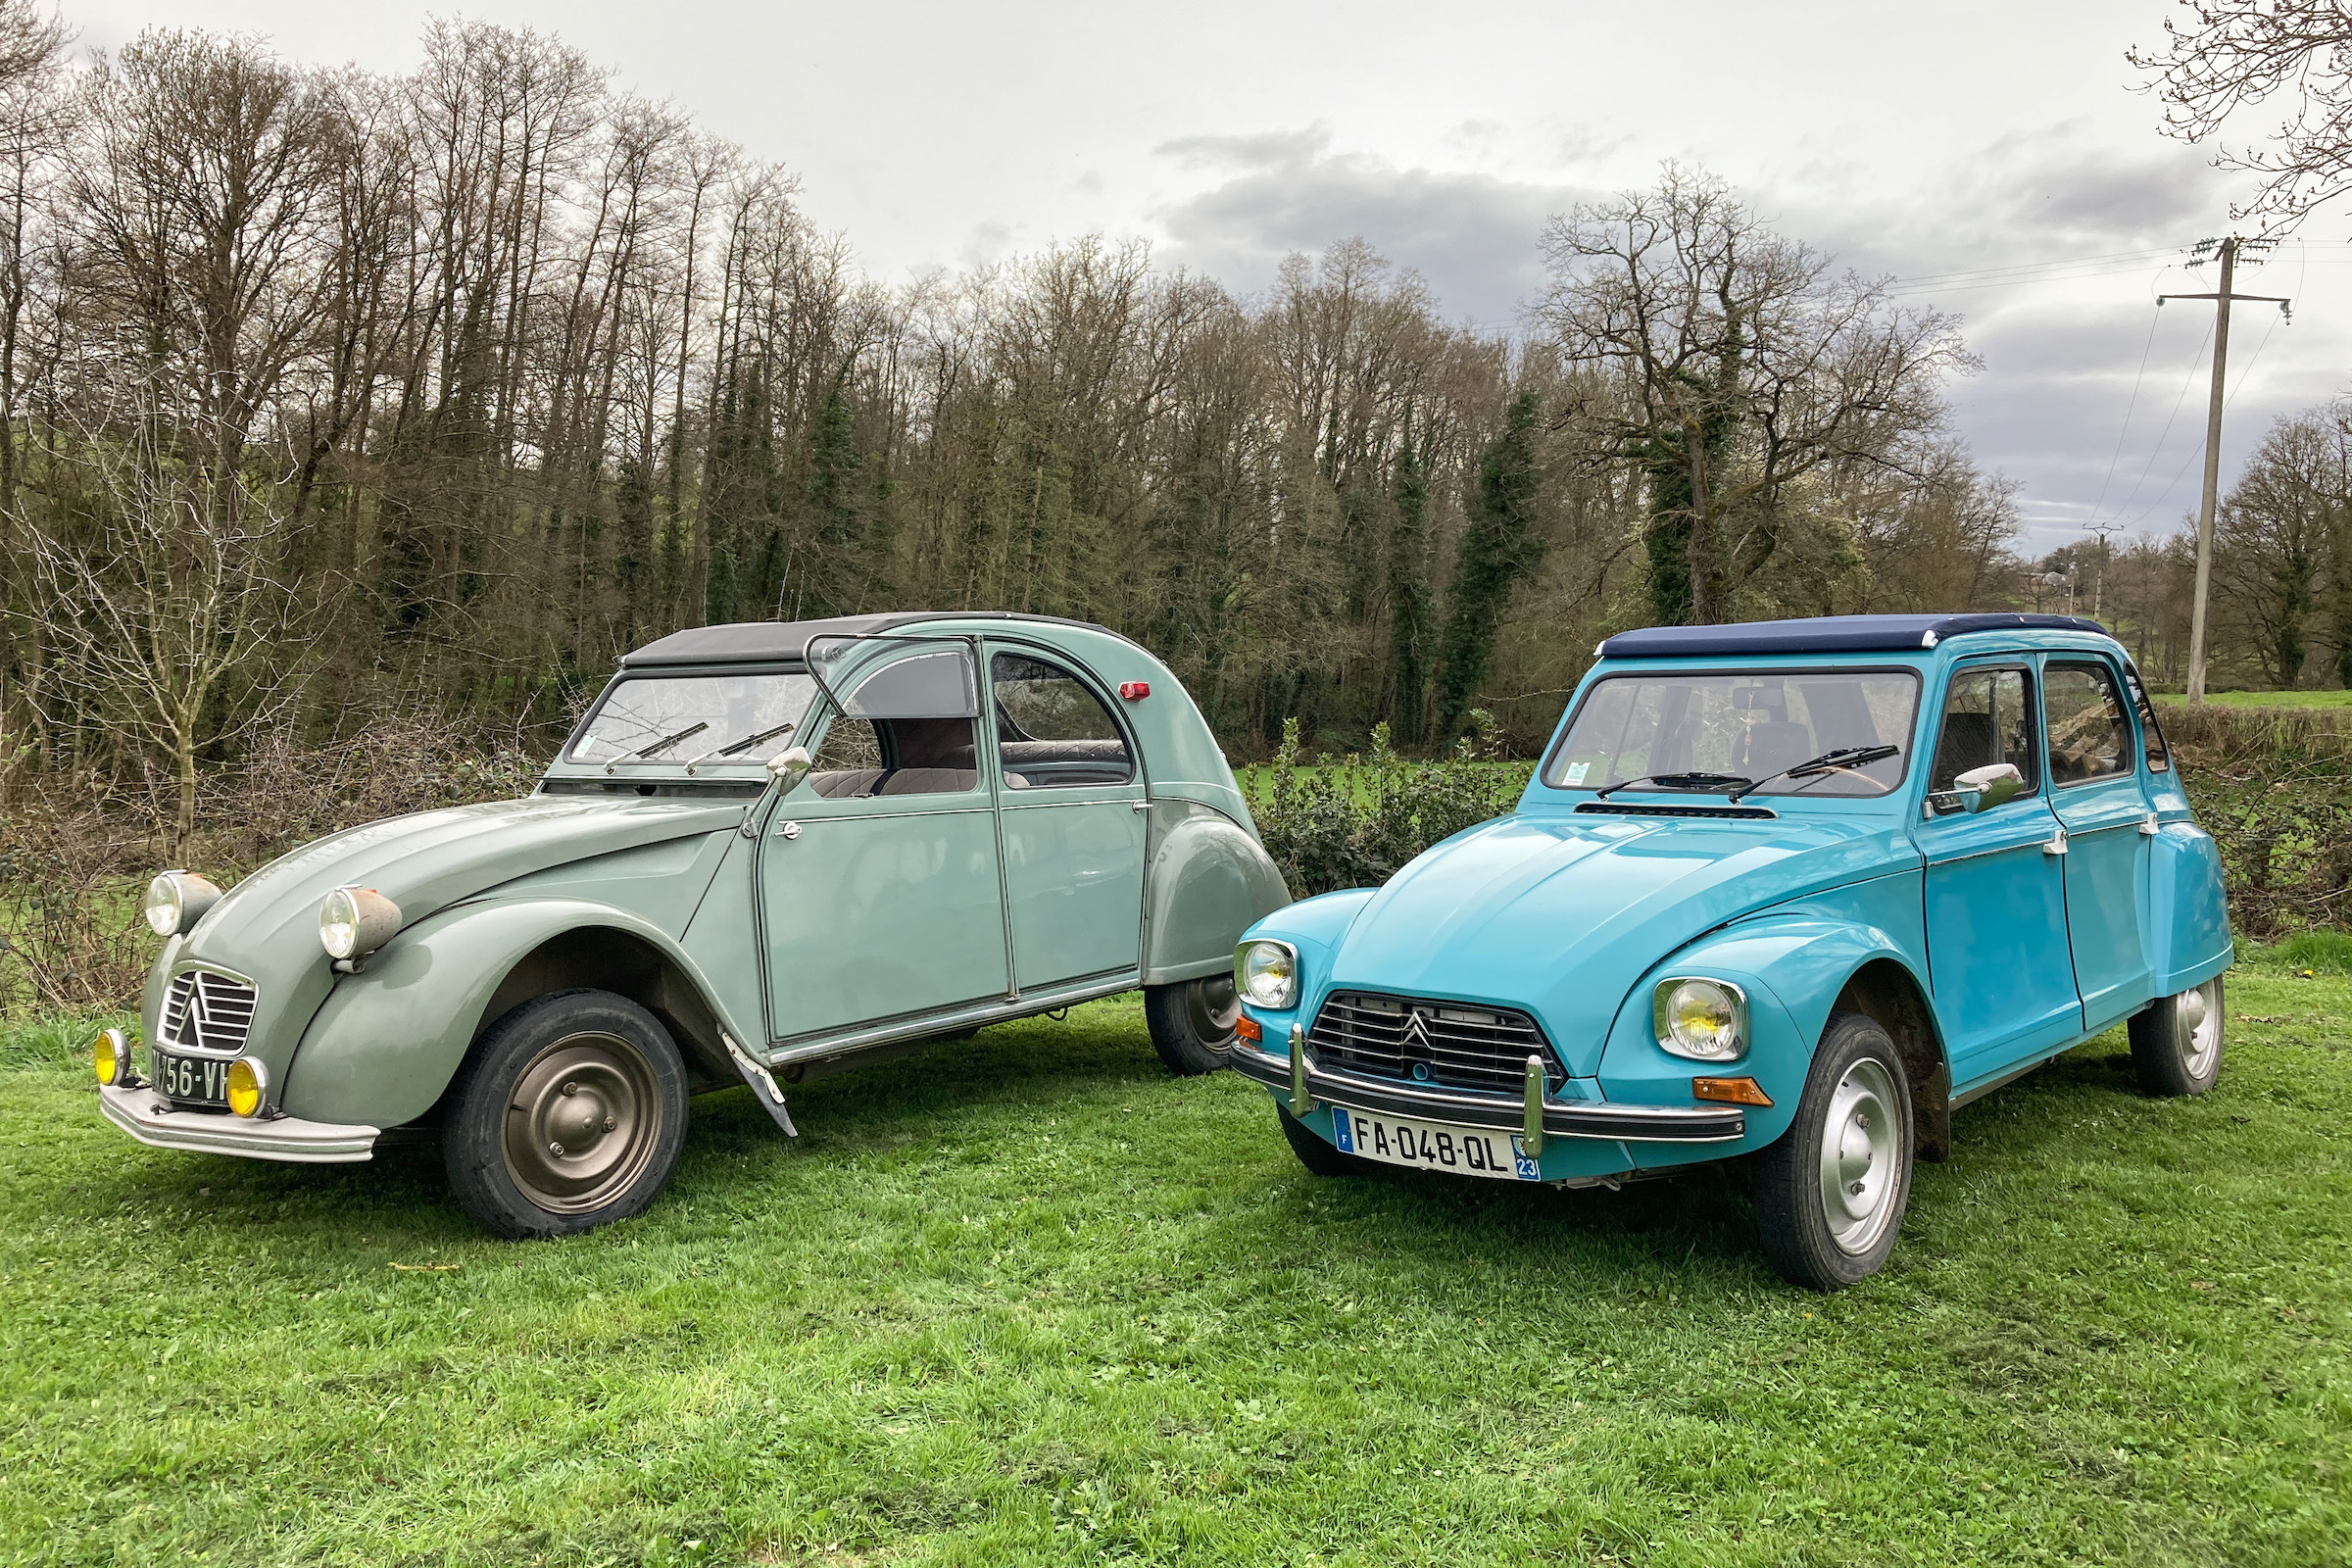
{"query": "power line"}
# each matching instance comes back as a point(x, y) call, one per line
point(2155, 315)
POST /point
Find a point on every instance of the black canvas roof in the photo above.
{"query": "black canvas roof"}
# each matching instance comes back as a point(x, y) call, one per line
point(768, 641)
point(1829, 634)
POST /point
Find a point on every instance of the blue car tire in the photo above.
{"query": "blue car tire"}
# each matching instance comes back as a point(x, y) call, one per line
point(1317, 1155)
point(1830, 1191)
point(2176, 1041)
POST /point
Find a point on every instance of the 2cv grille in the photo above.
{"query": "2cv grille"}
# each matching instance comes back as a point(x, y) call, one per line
point(206, 1011)
point(1451, 1043)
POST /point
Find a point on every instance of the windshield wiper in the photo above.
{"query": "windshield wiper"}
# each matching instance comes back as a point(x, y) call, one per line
point(668, 741)
point(743, 745)
point(1679, 781)
point(1844, 760)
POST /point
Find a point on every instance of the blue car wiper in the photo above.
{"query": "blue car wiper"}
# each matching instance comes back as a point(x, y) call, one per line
point(1844, 760)
point(1679, 781)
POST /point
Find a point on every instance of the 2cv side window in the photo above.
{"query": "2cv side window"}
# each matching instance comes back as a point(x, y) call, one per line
point(906, 729)
point(1988, 719)
point(2090, 736)
point(1053, 732)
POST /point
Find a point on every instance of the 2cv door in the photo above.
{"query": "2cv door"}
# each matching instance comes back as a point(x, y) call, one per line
point(880, 893)
point(1074, 817)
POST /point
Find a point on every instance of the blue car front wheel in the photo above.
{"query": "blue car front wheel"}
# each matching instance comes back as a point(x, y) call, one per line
point(1831, 1190)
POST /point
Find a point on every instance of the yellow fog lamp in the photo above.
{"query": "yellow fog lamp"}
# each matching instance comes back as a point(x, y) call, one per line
point(353, 922)
point(248, 1086)
point(110, 1055)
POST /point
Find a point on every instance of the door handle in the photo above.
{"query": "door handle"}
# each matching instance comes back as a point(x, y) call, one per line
point(790, 830)
point(2056, 844)
point(1140, 805)
point(2150, 826)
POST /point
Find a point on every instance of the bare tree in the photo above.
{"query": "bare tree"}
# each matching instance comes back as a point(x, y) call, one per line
point(2221, 57)
point(174, 626)
point(1741, 363)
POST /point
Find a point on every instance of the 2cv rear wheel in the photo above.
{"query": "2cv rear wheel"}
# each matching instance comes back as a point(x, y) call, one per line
point(568, 1114)
point(1831, 1190)
point(1192, 1022)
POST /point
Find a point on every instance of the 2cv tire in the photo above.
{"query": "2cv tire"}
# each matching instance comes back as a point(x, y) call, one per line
point(1192, 1023)
point(1830, 1191)
point(568, 1114)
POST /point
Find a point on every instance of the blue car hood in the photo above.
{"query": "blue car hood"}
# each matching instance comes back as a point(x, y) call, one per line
point(1562, 915)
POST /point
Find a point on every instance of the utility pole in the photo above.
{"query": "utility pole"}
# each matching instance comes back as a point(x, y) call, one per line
point(2099, 584)
point(2222, 299)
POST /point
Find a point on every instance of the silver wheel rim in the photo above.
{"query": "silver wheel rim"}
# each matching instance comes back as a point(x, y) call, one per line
point(1860, 1156)
point(1215, 1007)
point(583, 1123)
point(2198, 1029)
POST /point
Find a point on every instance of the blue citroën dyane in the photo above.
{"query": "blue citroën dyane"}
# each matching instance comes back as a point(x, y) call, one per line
point(1791, 888)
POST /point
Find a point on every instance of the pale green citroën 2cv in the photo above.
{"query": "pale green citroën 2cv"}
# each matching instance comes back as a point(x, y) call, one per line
point(769, 851)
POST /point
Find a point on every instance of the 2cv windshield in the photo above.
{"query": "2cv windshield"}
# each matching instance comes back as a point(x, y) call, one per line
point(1712, 730)
point(712, 720)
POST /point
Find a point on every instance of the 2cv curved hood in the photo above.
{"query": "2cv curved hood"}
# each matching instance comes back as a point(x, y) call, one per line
point(1562, 915)
point(266, 927)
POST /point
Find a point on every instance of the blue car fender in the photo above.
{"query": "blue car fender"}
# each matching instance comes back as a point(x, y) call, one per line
point(1314, 927)
point(1793, 969)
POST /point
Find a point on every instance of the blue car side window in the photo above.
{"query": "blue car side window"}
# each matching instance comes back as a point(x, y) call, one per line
point(1988, 719)
point(2090, 736)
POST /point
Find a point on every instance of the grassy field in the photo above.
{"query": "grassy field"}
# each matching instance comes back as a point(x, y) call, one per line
point(2303, 701)
point(1029, 1301)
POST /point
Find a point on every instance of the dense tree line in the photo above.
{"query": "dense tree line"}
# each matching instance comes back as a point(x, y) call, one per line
point(327, 391)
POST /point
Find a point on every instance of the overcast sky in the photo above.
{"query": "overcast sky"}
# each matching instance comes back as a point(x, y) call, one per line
point(1918, 141)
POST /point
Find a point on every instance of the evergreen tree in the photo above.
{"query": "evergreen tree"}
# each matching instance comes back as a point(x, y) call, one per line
point(1409, 596)
point(1499, 547)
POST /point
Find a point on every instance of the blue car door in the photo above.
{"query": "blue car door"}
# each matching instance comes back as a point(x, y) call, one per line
point(2096, 792)
point(1997, 953)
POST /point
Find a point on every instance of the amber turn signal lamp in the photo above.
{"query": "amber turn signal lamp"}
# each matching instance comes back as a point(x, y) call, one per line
point(248, 1086)
point(1245, 1028)
point(1731, 1091)
point(110, 1053)
point(1135, 691)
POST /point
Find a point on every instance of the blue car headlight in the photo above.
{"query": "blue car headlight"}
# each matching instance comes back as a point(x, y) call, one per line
point(1705, 1020)
point(1266, 972)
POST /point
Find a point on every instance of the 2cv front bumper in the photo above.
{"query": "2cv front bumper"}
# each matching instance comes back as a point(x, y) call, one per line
point(152, 1120)
point(1559, 1118)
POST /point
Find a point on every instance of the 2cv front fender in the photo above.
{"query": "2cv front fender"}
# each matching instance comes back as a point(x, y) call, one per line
point(387, 1041)
point(1209, 881)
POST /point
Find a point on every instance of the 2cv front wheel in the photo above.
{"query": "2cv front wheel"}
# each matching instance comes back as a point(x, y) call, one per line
point(568, 1114)
point(1192, 1022)
point(1831, 1190)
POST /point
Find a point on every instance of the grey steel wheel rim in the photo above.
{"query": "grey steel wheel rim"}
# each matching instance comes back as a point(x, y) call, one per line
point(1861, 1154)
point(2198, 1029)
point(583, 1123)
point(1213, 1007)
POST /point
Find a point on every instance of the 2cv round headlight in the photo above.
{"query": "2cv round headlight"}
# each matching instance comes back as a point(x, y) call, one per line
point(353, 922)
point(1703, 1019)
point(1267, 973)
point(176, 900)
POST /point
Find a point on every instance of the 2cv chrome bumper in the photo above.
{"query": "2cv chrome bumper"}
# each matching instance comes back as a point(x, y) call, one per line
point(152, 1120)
point(1562, 1118)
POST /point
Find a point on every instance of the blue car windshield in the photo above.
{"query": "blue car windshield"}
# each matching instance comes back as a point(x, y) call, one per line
point(713, 720)
point(1738, 724)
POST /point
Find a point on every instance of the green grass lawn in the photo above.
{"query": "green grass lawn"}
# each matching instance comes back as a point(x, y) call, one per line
point(2266, 699)
point(1027, 1300)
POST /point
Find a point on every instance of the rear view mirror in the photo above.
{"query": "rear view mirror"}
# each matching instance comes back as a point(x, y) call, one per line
point(791, 766)
point(1981, 789)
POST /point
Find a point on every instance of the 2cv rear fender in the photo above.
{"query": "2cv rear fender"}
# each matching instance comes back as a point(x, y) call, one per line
point(1796, 967)
point(386, 1043)
point(1210, 879)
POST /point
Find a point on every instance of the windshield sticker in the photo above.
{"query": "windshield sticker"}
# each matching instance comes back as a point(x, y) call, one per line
point(1576, 773)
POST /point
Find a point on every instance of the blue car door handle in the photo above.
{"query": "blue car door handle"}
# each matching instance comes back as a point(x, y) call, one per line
point(2055, 844)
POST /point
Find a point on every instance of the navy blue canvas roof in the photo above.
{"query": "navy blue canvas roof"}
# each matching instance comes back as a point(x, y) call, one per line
point(764, 641)
point(1828, 634)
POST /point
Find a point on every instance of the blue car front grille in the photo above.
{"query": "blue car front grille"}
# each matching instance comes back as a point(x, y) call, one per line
point(1415, 1039)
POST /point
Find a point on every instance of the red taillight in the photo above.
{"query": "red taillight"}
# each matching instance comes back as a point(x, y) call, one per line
point(1135, 691)
point(1249, 1030)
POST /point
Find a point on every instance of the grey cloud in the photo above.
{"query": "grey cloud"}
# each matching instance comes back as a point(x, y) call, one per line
point(1473, 236)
